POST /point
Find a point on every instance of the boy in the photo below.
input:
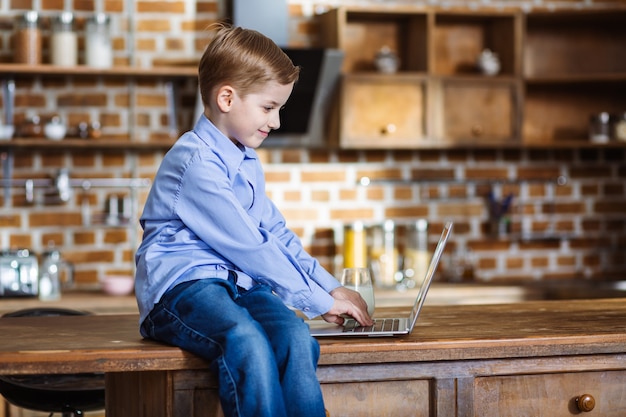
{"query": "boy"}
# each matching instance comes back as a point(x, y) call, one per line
point(217, 264)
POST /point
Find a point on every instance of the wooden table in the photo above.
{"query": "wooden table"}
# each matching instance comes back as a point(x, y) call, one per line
point(532, 358)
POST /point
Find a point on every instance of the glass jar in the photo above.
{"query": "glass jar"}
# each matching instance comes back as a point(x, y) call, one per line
point(28, 39)
point(354, 246)
point(416, 254)
point(64, 42)
point(383, 254)
point(600, 128)
point(98, 45)
point(620, 128)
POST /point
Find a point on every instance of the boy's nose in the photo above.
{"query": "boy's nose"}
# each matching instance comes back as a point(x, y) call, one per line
point(274, 122)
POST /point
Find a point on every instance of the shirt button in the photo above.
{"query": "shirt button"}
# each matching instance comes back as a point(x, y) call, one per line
point(307, 308)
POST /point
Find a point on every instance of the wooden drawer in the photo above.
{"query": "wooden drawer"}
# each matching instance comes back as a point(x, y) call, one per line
point(476, 111)
point(550, 395)
point(382, 111)
point(378, 399)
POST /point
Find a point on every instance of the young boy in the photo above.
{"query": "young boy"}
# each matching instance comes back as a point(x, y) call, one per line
point(217, 265)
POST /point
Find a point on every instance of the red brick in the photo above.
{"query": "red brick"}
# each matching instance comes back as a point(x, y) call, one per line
point(20, 241)
point(55, 219)
point(277, 176)
point(323, 176)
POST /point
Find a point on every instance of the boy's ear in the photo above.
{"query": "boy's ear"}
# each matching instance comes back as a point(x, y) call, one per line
point(225, 96)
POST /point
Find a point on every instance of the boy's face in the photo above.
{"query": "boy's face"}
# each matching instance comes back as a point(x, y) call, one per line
point(252, 117)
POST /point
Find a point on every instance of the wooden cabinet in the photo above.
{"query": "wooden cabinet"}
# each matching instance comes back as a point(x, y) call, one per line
point(379, 398)
point(382, 111)
point(556, 70)
point(554, 395)
point(470, 111)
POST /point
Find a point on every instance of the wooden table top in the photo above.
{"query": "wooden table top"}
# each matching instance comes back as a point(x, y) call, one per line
point(111, 343)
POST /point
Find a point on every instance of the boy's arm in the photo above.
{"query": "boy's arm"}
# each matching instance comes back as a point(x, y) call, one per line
point(275, 223)
point(208, 206)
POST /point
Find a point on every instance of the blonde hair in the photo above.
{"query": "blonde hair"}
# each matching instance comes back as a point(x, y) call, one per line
point(245, 59)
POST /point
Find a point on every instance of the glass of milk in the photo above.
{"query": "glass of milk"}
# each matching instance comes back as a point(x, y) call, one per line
point(360, 280)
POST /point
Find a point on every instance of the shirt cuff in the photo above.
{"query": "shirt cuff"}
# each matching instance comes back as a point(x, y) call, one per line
point(317, 304)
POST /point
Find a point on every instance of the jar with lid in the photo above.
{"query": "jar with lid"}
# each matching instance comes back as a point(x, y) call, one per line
point(98, 45)
point(28, 39)
point(354, 246)
point(416, 255)
point(620, 127)
point(64, 42)
point(383, 254)
point(600, 127)
point(54, 275)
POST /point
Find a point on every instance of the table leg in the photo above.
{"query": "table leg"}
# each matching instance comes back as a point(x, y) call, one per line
point(162, 394)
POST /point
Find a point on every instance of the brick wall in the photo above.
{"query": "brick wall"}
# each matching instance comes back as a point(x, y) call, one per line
point(558, 231)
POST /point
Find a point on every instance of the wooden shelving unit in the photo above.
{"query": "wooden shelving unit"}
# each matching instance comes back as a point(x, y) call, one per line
point(557, 69)
point(172, 74)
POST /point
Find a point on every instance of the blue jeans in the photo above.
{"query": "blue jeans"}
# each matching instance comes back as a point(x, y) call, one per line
point(261, 351)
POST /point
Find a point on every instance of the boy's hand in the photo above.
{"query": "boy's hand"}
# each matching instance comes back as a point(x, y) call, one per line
point(349, 303)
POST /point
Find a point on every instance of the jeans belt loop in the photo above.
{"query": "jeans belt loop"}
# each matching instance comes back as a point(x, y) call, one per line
point(232, 276)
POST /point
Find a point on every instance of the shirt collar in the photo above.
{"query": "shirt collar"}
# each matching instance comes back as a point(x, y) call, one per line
point(233, 155)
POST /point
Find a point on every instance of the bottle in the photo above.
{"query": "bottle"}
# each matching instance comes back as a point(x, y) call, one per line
point(28, 39)
point(64, 42)
point(98, 48)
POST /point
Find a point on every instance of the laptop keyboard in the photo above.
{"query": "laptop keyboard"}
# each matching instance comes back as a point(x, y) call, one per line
point(381, 325)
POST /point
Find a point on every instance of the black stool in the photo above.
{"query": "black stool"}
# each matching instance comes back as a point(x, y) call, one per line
point(70, 394)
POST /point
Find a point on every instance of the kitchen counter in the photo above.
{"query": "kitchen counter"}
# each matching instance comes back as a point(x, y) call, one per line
point(530, 358)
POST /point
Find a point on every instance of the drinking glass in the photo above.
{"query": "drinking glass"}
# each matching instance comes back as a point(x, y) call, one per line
point(360, 280)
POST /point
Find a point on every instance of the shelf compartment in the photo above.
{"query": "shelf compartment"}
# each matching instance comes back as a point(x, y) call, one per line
point(458, 39)
point(575, 44)
point(474, 111)
point(381, 111)
point(561, 112)
point(362, 33)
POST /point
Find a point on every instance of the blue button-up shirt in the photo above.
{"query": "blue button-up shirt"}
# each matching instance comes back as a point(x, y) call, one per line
point(207, 212)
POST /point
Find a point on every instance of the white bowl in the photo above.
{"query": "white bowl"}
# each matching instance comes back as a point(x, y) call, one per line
point(6, 131)
point(54, 131)
point(118, 284)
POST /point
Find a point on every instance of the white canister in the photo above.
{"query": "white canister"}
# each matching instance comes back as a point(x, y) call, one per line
point(98, 45)
point(64, 42)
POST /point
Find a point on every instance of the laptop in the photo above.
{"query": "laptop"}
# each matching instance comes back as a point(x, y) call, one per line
point(391, 326)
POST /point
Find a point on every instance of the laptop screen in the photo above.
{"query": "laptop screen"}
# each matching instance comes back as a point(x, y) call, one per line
point(428, 278)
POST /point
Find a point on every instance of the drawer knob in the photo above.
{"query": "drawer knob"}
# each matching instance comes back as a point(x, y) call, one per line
point(585, 402)
point(389, 129)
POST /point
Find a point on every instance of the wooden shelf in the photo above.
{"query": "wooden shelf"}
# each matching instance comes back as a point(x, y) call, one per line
point(609, 77)
point(122, 71)
point(71, 144)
